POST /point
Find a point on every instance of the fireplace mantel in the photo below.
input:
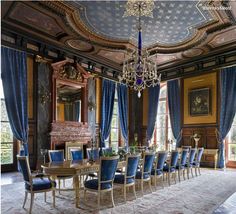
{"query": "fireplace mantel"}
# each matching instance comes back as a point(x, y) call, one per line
point(68, 131)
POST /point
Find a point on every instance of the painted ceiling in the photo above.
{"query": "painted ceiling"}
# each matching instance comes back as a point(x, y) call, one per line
point(178, 31)
point(173, 22)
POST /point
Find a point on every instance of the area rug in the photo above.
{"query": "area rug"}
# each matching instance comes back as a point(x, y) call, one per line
point(202, 194)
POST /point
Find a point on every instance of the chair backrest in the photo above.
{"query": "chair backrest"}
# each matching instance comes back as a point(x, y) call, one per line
point(93, 154)
point(132, 162)
point(24, 167)
point(192, 154)
point(174, 158)
point(76, 154)
point(161, 158)
point(199, 154)
point(184, 156)
point(56, 155)
point(108, 166)
point(148, 160)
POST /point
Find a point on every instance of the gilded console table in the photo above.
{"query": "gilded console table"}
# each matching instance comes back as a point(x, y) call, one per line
point(214, 153)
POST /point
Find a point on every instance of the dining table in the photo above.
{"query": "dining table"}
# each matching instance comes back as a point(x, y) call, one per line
point(74, 169)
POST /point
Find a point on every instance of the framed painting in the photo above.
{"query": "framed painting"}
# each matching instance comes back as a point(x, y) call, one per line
point(200, 102)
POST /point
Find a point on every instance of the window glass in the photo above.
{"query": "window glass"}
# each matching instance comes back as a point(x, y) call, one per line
point(232, 142)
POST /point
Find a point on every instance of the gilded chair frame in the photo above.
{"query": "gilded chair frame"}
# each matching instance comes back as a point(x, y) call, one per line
point(197, 163)
point(189, 165)
point(30, 182)
point(155, 167)
point(125, 185)
point(59, 179)
point(169, 173)
point(149, 173)
point(99, 190)
point(180, 169)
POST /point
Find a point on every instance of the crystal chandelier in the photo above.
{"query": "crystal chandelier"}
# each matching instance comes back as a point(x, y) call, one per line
point(139, 71)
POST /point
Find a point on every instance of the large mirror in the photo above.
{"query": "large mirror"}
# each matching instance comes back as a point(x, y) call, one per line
point(69, 102)
point(69, 92)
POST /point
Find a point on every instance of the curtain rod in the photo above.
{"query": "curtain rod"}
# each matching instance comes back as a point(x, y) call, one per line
point(20, 50)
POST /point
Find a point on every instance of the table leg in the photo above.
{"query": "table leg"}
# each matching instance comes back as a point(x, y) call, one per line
point(76, 187)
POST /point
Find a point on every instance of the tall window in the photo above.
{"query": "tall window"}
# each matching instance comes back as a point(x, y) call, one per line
point(7, 149)
point(162, 131)
point(232, 142)
point(113, 140)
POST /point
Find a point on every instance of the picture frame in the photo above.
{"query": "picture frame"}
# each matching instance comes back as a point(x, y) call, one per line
point(200, 102)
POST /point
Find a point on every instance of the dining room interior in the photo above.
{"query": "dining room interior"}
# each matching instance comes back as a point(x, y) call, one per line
point(118, 106)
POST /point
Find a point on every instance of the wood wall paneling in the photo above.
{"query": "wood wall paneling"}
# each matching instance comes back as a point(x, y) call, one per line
point(30, 82)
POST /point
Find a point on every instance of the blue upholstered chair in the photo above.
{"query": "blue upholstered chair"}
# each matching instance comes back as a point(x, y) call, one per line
point(170, 167)
point(144, 175)
point(181, 166)
point(190, 161)
point(157, 171)
point(93, 153)
point(196, 163)
point(76, 154)
point(34, 184)
point(128, 178)
point(58, 156)
point(106, 175)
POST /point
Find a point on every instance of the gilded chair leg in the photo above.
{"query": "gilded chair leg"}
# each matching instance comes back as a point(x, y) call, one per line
point(45, 197)
point(134, 192)
point(85, 194)
point(59, 182)
point(155, 181)
point(179, 175)
point(150, 185)
point(53, 198)
point(195, 170)
point(112, 198)
point(99, 200)
point(26, 194)
point(31, 202)
point(184, 174)
point(188, 171)
point(175, 177)
point(125, 193)
point(199, 171)
point(192, 172)
point(169, 178)
point(142, 186)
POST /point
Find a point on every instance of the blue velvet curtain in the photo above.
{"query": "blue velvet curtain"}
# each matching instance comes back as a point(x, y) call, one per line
point(122, 93)
point(14, 80)
point(153, 100)
point(227, 108)
point(173, 90)
point(108, 95)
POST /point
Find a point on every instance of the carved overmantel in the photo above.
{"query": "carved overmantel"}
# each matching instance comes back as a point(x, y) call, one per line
point(68, 132)
point(72, 74)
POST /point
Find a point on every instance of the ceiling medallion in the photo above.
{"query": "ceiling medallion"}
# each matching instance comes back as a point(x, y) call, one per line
point(139, 8)
point(139, 71)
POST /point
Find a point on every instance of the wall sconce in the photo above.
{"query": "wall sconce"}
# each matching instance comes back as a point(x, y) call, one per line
point(44, 95)
point(91, 105)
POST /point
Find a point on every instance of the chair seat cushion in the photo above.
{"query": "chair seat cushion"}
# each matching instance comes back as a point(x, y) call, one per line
point(158, 172)
point(190, 165)
point(139, 175)
point(195, 164)
point(120, 179)
point(93, 184)
point(166, 169)
point(40, 184)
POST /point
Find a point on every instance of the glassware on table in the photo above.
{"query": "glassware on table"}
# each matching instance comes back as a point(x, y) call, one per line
point(44, 152)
